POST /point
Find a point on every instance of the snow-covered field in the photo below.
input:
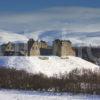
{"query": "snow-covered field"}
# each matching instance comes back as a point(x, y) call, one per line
point(48, 65)
point(32, 95)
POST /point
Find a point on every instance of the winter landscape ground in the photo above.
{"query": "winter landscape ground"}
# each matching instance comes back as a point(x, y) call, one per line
point(50, 77)
point(33, 95)
point(48, 65)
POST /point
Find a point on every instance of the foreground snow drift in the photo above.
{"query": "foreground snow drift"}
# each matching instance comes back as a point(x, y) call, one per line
point(48, 65)
point(29, 95)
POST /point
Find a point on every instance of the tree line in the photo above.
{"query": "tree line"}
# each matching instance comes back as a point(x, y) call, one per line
point(76, 81)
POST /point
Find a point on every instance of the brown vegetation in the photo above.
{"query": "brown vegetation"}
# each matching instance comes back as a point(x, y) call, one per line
point(77, 81)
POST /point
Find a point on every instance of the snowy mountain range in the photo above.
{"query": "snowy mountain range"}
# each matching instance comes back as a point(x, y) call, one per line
point(77, 38)
point(6, 36)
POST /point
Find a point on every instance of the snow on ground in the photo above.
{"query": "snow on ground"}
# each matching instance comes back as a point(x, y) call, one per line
point(48, 65)
point(33, 95)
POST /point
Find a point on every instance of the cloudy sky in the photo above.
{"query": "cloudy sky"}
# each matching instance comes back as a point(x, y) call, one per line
point(35, 17)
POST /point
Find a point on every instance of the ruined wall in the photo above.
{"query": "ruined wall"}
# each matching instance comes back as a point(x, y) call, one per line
point(63, 48)
point(30, 44)
point(43, 45)
point(33, 48)
point(14, 49)
point(66, 49)
point(9, 47)
point(56, 48)
point(1, 52)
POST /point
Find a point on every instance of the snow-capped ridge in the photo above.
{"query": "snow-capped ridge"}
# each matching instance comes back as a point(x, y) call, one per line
point(6, 37)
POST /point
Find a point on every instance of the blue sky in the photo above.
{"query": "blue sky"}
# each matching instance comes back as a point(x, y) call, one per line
point(16, 6)
point(21, 15)
point(31, 17)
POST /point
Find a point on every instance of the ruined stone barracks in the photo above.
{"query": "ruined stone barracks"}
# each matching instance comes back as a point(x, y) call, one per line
point(61, 48)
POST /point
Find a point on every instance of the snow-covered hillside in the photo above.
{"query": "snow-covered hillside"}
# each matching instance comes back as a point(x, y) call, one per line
point(48, 65)
point(32, 95)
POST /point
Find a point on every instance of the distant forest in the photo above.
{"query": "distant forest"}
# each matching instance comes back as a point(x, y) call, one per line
point(76, 81)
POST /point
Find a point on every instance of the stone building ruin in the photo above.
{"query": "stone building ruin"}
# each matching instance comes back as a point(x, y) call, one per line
point(61, 48)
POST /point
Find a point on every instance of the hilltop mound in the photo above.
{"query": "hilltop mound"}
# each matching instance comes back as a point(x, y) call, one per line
point(47, 65)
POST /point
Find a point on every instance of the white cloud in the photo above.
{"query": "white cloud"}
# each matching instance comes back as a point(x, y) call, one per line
point(74, 23)
point(72, 18)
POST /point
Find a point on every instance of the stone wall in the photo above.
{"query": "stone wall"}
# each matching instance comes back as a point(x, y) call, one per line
point(43, 45)
point(63, 48)
point(35, 48)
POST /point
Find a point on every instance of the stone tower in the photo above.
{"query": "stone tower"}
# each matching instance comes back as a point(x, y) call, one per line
point(63, 48)
point(33, 48)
